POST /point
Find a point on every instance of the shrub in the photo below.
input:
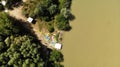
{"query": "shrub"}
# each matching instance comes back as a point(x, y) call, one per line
point(61, 22)
point(50, 26)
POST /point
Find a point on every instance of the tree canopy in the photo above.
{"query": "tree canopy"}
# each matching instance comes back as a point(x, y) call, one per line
point(48, 10)
point(6, 25)
point(23, 50)
point(20, 50)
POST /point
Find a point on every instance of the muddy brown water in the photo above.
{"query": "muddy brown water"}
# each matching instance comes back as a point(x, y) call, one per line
point(94, 40)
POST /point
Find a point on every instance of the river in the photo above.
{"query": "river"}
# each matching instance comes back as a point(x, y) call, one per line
point(94, 40)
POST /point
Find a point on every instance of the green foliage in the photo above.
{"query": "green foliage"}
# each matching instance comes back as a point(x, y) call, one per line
point(32, 65)
point(56, 56)
point(48, 10)
point(61, 22)
point(40, 64)
point(53, 9)
point(2, 46)
point(21, 50)
point(43, 9)
point(62, 4)
point(61, 18)
point(50, 27)
point(27, 61)
point(10, 26)
point(39, 11)
point(25, 65)
point(65, 4)
point(6, 25)
point(57, 65)
point(25, 52)
point(7, 41)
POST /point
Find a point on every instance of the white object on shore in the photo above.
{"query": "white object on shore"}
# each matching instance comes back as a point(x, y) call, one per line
point(58, 46)
point(3, 3)
point(30, 19)
point(6, 10)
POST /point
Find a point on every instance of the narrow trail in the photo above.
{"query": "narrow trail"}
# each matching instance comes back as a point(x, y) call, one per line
point(17, 13)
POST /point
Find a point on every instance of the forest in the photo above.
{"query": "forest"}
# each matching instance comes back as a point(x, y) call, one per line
point(56, 13)
point(20, 48)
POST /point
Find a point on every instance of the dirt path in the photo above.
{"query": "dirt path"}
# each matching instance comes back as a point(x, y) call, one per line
point(17, 13)
point(24, 0)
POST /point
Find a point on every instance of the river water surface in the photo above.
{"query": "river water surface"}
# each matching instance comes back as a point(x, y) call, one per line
point(94, 40)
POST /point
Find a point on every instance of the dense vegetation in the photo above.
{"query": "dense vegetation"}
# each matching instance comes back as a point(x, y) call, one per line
point(12, 3)
point(51, 11)
point(18, 44)
point(18, 48)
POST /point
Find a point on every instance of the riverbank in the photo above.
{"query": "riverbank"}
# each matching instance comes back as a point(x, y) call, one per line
point(39, 29)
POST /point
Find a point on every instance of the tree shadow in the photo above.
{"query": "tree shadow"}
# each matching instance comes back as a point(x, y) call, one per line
point(24, 28)
point(71, 17)
point(68, 28)
point(68, 4)
point(46, 53)
point(12, 5)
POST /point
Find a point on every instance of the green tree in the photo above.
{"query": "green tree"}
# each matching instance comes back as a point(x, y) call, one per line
point(2, 46)
point(25, 65)
point(8, 41)
point(7, 25)
point(53, 9)
point(22, 51)
point(40, 9)
point(32, 65)
point(56, 56)
point(51, 27)
point(61, 22)
point(40, 64)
